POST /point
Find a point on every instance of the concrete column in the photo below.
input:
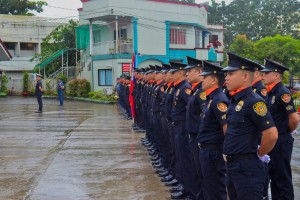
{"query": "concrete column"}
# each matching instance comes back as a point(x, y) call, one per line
point(91, 37)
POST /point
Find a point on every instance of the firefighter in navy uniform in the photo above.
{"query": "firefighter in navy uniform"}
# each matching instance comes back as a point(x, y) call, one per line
point(257, 85)
point(211, 133)
point(286, 120)
point(249, 123)
point(182, 92)
point(194, 109)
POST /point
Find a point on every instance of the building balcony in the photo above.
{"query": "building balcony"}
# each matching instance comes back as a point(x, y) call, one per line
point(109, 47)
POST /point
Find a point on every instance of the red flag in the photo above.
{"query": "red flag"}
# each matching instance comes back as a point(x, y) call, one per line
point(131, 98)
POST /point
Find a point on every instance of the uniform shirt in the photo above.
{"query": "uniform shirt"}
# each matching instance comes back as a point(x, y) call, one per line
point(38, 92)
point(181, 96)
point(247, 117)
point(60, 85)
point(156, 99)
point(213, 118)
point(194, 109)
point(260, 89)
point(169, 101)
point(281, 105)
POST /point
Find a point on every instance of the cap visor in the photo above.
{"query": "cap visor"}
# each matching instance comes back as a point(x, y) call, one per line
point(229, 68)
point(266, 70)
point(189, 67)
point(205, 73)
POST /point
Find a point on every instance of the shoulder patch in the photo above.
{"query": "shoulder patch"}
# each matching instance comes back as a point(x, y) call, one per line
point(178, 91)
point(264, 92)
point(260, 108)
point(162, 89)
point(289, 107)
point(222, 107)
point(202, 95)
point(188, 91)
point(254, 90)
point(286, 98)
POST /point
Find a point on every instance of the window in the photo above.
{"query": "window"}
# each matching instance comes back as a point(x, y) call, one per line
point(97, 36)
point(177, 36)
point(121, 33)
point(104, 77)
point(27, 46)
point(9, 45)
point(213, 38)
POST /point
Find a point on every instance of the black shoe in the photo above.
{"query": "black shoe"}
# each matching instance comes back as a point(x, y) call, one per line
point(154, 158)
point(177, 188)
point(178, 195)
point(160, 170)
point(39, 111)
point(189, 198)
point(159, 165)
point(157, 161)
point(167, 178)
point(163, 174)
point(171, 183)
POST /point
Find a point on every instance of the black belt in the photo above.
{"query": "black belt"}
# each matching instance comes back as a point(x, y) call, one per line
point(209, 146)
point(236, 157)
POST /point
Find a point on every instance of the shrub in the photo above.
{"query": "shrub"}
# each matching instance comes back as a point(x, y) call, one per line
point(25, 81)
point(4, 82)
point(79, 88)
point(101, 95)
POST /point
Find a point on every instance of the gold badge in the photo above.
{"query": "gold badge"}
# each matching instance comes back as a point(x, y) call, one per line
point(260, 108)
point(203, 95)
point(289, 107)
point(171, 91)
point(254, 90)
point(286, 98)
point(195, 92)
point(188, 91)
point(162, 89)
point(178, 91)
point(222, 107)
point(264, 92)
point(224, 116)
point(239, 106)
point(273, 100)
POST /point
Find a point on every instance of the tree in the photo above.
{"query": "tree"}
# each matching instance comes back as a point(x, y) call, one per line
point(185, 1)
point(256, 18)
point(62, 37)
point(21, 7)
point(242, 46)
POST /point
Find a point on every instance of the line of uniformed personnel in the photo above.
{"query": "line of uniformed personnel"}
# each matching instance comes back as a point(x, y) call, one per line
point(215, 133)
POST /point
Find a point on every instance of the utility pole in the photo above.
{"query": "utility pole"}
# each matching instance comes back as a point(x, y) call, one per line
point(117, 35)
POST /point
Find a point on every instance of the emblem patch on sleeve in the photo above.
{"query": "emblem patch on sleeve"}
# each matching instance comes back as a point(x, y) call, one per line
point(222, 107)
point(260, 108)
point(178, 91)
point(289, 107)
point(162, 89)
point(264, 92)
point(202, 95)
point(286, 98)
point(188, 91)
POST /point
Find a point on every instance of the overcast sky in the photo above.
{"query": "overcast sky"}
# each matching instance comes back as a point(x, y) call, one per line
point(68, 8)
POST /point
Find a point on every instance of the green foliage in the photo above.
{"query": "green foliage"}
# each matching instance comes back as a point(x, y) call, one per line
point(3, 84)
point(283, 49)
point(21, 7)
point(49, 89)
point(296, 96)
point(256, 18)
point(63, 78)
point(101, 95)
point(25, 81)
point(62, 37)
point(79, 88)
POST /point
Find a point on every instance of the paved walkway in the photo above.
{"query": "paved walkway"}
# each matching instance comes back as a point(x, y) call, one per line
point(81, 151)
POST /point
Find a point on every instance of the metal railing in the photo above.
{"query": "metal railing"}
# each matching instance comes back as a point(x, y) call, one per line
point(109, 47)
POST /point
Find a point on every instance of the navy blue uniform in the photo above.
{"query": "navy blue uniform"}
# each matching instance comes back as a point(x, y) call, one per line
point(247, 118)
point(281, 105)
point(260, 89)
point(211, 137)
point(39, 95)
point(181, 97)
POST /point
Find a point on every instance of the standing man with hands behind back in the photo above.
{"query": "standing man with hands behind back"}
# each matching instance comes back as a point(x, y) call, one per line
point(39, 92)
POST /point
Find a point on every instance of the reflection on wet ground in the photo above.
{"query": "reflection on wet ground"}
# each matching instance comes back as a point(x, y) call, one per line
point(80, 151)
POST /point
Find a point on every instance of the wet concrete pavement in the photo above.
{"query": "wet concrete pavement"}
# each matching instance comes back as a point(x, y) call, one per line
point(79, 152)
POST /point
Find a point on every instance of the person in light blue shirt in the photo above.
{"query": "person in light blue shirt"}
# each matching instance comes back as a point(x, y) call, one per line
point(60, 87)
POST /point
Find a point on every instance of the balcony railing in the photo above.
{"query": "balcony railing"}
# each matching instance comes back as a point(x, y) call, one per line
point(109, 47)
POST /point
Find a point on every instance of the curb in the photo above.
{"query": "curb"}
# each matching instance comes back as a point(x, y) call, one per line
point(82, 99)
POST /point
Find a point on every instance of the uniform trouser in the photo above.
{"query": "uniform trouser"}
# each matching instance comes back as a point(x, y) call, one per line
point(166, 141)
point(173, 161)
point(280, 168)
point(213, 171)
point(185, 161)
point(40, 102)
point(245, 179)
point(158, 135)
point(193, 144)
point(139, 114)
point(145, 117)
point(149, 128)
point(60, 97)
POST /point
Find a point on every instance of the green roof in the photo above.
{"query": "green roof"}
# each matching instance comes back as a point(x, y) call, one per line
point(51, 58)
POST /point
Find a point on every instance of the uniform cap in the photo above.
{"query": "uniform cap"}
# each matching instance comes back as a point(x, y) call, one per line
point(166, 67)
point(192, 63)
point(272, 66)
point(236, 62)
point(211, 68)
point(39, 75)
point(175, 66)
